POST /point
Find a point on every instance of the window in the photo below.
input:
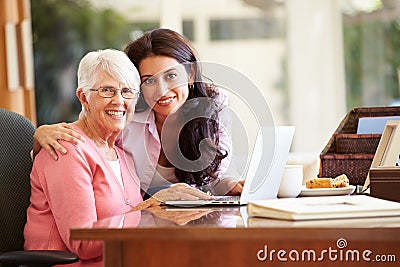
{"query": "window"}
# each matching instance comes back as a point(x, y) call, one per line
point(372, 59)
point(248, 28)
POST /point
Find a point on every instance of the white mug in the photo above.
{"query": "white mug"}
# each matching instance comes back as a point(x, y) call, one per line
point(292, 181)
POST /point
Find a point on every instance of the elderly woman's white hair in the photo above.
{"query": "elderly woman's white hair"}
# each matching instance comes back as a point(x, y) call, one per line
point(116, 63)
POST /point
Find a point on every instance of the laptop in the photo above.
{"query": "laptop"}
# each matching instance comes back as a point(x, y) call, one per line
point(262, 181)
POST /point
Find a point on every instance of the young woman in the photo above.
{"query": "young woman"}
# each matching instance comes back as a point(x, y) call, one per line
point(92, 181)
point(171, 87)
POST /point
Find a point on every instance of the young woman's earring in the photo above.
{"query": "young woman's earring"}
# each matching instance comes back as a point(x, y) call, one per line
point(191, 86)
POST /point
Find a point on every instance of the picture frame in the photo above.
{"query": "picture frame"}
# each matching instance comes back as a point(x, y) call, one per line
point(388, 152)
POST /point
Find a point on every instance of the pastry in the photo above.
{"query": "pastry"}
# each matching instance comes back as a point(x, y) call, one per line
point(337, 182)
point(319, 183)
point(341, 181)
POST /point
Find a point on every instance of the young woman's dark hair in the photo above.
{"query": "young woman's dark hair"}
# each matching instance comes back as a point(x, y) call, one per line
point(164, 42)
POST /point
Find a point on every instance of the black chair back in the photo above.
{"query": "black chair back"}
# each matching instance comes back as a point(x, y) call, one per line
point(16, 142)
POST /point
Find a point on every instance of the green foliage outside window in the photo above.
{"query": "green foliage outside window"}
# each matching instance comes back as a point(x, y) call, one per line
point(372, 57)
point(63, 31)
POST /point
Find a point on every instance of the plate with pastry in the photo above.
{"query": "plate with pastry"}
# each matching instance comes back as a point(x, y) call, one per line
point(327, 187)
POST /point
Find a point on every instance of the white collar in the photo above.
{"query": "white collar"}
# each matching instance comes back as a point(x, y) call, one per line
point(146, 116)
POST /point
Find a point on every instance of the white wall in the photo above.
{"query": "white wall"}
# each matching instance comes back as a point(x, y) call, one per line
point(316, 71)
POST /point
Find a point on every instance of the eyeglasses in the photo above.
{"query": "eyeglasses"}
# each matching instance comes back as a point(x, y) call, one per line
point(108, 92)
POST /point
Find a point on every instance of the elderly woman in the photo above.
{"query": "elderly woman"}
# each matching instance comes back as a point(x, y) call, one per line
point(93, 181)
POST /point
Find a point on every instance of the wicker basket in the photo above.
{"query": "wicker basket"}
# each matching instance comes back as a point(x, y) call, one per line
point(356, 143)
point(355, 166)
point(351, 153)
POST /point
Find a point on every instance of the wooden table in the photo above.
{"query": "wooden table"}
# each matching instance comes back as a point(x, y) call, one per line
point(226, 237)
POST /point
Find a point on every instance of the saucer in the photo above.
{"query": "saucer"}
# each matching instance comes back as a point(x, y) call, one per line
point(308, 192)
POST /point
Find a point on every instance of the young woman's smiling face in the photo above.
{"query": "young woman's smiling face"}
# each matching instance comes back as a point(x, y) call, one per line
point(164, 83)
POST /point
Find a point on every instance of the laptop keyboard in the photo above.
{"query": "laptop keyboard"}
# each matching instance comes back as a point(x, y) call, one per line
point(226, 199)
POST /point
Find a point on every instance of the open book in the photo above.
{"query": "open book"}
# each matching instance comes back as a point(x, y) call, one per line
point(390, 221)
point(323, 207)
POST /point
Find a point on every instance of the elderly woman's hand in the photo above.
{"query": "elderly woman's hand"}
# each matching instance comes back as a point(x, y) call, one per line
point(179, 217)
point(180, 191)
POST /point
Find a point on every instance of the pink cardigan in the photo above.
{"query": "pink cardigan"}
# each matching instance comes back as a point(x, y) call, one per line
point(77, 189)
